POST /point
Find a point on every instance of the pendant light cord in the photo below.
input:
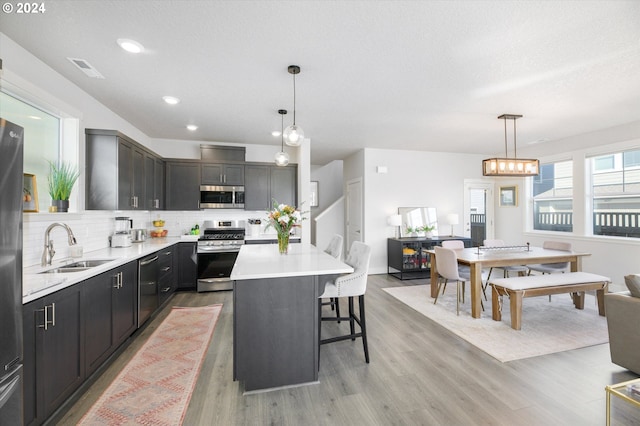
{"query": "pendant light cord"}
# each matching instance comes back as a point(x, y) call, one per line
point(282, 132)
point(294, 99)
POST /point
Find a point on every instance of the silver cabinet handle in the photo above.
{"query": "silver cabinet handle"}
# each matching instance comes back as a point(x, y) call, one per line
point(46, 316)
point(221, 178)
point(166, 268)
point(167, 253)
point(146, 262)
point(166, 289)
point(118, 278)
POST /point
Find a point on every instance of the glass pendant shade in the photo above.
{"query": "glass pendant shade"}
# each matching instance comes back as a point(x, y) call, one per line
point(282, 158)
point(293, 135)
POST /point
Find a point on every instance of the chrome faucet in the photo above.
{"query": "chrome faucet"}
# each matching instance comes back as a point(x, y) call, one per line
point(49, 252)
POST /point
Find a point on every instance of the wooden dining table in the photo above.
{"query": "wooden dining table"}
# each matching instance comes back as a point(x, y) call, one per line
point(478, 258)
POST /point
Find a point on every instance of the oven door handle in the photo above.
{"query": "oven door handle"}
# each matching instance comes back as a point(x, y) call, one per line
point(218, 249)
point(213, 280)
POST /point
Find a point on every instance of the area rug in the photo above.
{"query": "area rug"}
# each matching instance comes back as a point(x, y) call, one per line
point(547, 327)
point(156, 385)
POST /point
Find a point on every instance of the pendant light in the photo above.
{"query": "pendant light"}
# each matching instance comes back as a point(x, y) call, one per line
point(282, 158)
point(510, 166)
point(294, 134)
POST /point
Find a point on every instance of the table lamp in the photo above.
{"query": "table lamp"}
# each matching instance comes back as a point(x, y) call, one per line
point(395, 221)
point(453, 219)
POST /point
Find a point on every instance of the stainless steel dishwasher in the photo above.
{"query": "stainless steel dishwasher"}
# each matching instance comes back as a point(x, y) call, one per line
point(147, 287)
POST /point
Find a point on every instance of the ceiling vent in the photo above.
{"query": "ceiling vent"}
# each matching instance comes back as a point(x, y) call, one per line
point(86, 67)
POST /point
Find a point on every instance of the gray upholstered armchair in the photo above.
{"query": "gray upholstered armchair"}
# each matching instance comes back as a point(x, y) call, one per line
point(623, 317)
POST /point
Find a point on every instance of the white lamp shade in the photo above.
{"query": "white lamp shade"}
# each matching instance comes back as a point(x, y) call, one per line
point(394, 220)
point(293, 135)
point(453, 218)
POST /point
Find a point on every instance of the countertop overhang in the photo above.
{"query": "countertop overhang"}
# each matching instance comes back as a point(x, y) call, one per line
point(258, 261)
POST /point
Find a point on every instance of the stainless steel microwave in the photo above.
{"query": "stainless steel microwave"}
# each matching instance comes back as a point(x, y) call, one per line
point(221, 197)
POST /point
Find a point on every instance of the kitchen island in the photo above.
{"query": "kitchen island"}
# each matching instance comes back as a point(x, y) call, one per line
point(276, 313)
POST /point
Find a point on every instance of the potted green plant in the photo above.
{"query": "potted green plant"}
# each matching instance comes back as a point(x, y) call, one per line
point(61, 179)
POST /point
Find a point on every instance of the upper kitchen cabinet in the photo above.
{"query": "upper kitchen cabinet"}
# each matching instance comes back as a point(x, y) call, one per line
point(222, 174)
point(117, 173)
point(265, 183)
point(154, 182)
point(182, 185)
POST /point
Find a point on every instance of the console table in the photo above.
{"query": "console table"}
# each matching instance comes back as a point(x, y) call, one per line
point(407, 258)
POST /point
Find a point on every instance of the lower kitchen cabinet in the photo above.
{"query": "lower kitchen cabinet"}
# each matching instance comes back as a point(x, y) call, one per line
point(53, 355)
point(187, 265)
point(109, 312)
point(166, 280)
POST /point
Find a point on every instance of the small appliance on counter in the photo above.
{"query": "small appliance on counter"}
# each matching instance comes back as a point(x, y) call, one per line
point(122, 234)
point(138, 235)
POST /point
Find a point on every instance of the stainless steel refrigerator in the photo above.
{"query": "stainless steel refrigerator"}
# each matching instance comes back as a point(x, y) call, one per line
point(11, 186)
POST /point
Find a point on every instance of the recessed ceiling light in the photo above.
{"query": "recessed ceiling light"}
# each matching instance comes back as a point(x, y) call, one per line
point(171, 100)
point(192, 127)
point(275, 133)
point(130, 45)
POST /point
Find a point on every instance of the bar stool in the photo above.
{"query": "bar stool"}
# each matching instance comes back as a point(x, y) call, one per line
point(350, 286)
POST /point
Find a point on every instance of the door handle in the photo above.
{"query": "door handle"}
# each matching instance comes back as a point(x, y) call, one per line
point(46, 316)
point(146, 262)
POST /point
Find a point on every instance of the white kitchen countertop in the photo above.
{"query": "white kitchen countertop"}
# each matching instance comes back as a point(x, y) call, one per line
point(36, 285)
point(256, 261)
point(268, 237)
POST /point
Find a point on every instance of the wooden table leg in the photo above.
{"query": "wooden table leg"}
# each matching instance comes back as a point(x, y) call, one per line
point(476, 289)
point(496, 312)
point(578, 299)
point(600, 297)
point(515, 303)
point(434, 276)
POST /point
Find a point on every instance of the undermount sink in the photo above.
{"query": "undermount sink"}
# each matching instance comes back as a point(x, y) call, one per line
point(79, 266)
point(87, 263)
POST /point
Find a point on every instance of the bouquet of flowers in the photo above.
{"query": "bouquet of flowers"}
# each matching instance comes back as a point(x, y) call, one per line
point(283, 218)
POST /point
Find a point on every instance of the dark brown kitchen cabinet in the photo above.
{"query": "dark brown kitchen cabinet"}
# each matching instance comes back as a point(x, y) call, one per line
point(265, 183)
point(222, 174)
point(182, 187)
point(166, 276)
point(110, 303)
point(187, 266)
point(116, 174)
point(153, 182)
point(53, 356)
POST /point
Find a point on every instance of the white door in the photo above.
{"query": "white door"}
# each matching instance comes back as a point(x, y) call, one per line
point(478, 211)
point(354, 211)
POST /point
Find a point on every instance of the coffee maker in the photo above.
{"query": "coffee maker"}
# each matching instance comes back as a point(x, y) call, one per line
point(122, 234)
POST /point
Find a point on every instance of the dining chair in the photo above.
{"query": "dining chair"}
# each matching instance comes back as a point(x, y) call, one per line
point(447, 266)
point(550, 268)
point(457, 245)
point(350, 286)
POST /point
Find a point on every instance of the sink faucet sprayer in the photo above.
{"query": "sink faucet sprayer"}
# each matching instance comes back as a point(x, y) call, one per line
point(49, 252)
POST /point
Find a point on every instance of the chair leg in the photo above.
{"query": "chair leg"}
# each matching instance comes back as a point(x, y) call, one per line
point(319, 329)
point(363, 328)
point(351, 320)
point(337, 302)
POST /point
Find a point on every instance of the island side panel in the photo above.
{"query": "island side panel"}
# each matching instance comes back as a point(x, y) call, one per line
point(275, 331)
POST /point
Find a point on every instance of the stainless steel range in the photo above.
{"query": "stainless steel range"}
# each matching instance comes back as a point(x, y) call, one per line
point(218, 249)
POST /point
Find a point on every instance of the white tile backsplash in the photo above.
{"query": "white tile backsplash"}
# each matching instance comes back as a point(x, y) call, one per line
point(93, 228)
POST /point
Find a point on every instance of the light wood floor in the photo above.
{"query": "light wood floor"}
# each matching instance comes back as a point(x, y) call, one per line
point(420, 374)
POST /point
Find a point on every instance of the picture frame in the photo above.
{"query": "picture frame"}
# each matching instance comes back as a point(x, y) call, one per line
point(29, 193)
point(313, 194)
point(509, 196)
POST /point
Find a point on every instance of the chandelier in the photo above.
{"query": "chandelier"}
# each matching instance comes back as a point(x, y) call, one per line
point(510, 166)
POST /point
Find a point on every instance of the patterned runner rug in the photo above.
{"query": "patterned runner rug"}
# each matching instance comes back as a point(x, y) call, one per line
point(156, 385)
point(547, 327)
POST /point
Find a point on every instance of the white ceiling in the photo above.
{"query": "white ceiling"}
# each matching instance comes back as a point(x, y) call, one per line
point(418, 75)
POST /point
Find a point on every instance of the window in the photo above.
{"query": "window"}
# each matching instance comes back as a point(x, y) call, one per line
point(616, 195)
point(553, 197)
point(41, 139)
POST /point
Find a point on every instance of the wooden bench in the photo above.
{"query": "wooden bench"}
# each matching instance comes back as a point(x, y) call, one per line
point(518, 288)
